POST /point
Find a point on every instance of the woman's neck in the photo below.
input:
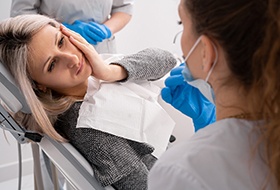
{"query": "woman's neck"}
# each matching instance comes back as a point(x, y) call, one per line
point(78, 91)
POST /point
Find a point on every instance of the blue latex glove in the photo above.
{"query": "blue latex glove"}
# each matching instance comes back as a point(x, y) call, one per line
point(188, 99)
point(91, 31)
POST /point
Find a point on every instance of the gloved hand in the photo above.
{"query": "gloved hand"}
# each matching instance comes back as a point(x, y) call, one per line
point(91, 31)
point(188, 99)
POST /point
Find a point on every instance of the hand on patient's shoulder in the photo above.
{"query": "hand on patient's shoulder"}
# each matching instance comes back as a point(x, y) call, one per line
point(148, 64)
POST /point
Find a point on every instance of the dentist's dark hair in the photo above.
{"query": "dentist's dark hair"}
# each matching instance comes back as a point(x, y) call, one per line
point(249, 33)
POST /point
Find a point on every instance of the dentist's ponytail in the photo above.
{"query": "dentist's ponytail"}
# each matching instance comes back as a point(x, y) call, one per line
point(266, 87)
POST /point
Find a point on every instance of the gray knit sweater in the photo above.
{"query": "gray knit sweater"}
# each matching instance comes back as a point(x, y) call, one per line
point(116, 161)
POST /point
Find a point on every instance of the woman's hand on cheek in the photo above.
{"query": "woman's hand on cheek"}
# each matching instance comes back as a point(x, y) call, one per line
point(100, 69)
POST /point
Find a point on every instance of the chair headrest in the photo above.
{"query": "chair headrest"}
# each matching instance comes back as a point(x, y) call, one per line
point(10, 93)
point(12, 98)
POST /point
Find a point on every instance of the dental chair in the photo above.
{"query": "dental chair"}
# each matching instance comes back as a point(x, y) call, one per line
point(64, 157)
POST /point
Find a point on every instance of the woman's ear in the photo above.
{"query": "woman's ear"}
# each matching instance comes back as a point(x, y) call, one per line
point(208, 53)
point(42, 88)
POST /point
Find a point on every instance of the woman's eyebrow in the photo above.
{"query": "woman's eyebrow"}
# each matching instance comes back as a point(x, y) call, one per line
point(46, 62)
point(56, 37)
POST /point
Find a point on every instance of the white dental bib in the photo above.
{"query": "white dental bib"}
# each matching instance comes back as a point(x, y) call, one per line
point(129, 110)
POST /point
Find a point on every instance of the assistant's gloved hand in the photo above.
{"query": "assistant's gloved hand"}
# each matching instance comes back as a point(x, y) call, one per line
point(188, 99)
point(91, 31)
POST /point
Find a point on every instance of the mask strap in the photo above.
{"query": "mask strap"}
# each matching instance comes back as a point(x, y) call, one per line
point(192, 49)
point(215, 62)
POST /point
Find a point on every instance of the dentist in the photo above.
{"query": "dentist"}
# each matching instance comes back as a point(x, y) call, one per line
point(233, 46)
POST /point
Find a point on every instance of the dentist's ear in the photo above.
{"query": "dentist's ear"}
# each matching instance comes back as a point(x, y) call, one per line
point(208, 54)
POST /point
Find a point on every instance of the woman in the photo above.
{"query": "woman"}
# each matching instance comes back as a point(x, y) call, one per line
point(52, 66)
point(233, 46)
point(96, 20)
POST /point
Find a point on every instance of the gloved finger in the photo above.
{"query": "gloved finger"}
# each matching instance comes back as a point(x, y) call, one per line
point(166, 95)
point(103, 28)
point(98, 33)
point(77, 22)
point(178, 97)
point(92, 36)
point(87, 38)
point(109, 33)
point(90, 40)
point(69, 26)
point(66, 24)
point(177, 70)
point(174, 81)
point(206, 111)
point(94, 42)
point(84, 30)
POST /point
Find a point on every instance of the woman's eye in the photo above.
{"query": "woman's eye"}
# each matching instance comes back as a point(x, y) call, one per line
point(51, 66)
point(179, 22)
point(61, 41)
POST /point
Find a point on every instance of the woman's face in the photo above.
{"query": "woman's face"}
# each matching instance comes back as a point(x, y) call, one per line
point(188, 39)
point(55, 63)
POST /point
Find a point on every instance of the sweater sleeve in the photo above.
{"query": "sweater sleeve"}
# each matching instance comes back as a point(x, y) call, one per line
point(148, 64)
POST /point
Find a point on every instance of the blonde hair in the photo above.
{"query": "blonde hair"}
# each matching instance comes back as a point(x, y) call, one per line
point(15, 35)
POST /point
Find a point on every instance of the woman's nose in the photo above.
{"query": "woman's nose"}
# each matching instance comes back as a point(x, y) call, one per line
point(71, 60)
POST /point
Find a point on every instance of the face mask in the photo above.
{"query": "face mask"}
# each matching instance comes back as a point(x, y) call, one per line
point(201, 84)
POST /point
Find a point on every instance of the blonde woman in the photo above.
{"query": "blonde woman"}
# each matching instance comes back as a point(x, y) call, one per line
point(52, 66)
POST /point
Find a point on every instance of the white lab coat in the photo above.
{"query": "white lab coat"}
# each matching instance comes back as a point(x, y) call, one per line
point(70, 10)
point(218, 157)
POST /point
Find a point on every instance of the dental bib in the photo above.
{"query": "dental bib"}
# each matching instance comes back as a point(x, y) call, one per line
point(129, 110)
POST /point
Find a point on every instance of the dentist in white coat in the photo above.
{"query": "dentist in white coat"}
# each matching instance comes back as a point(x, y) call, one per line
point(96, 20)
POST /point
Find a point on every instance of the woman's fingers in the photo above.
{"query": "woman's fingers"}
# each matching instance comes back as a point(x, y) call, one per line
point(75, 35)
point(100, 69)
point(86, 48)
point(79, 42)
point(98, 66)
